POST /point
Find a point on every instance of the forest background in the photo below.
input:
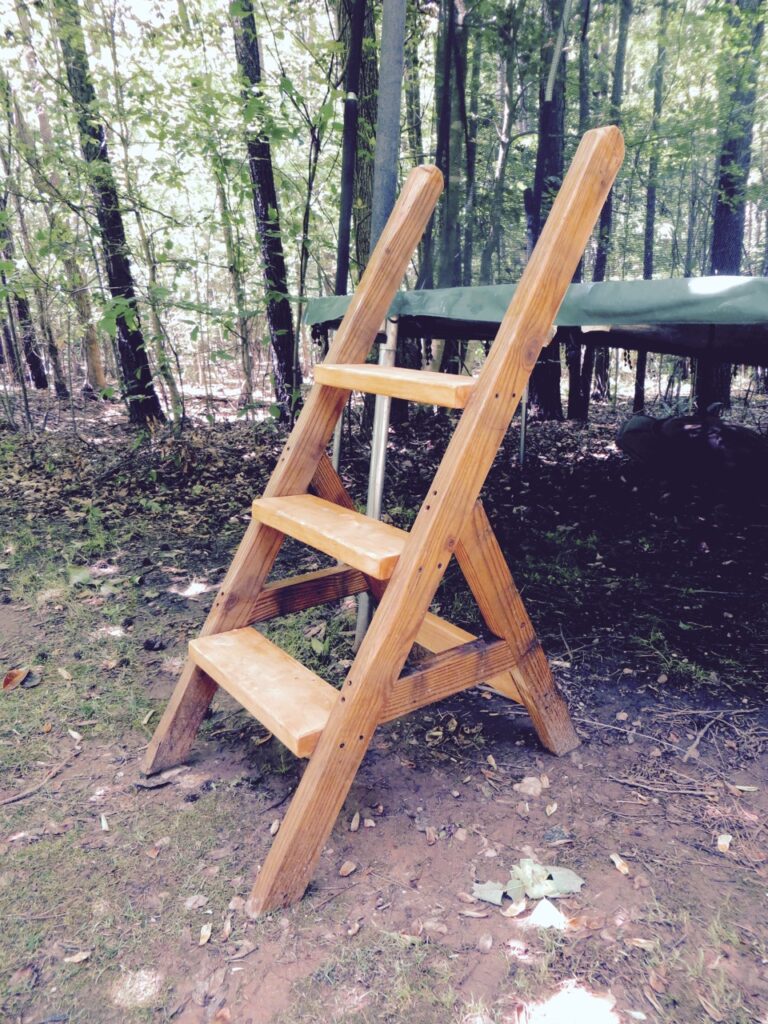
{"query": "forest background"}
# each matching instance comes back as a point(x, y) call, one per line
point(178, 177)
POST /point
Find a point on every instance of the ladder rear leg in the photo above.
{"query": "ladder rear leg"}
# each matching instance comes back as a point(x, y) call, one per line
point(485, 568)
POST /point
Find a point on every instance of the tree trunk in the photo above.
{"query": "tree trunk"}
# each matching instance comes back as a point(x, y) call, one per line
point(279, 314)
point(76, 285)
point(471, 157)
point(544, 385)
point(650, 193)
point(602, 357)
point(353, 34)
point(29, 343)
point(143, 404)
point(508, 91)
point(745, 28)
point(387, 158)
point(366, 129)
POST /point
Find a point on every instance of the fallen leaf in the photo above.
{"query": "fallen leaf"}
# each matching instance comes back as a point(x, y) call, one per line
point(104, 823)
point(656, 981)
point(485, 943)
point(530, 786)
point(14, 677)
point(551, 808)
point(274, 828)
point(369, 823)
point(724, 842)
point(460, 834)
point(465, 897)
point(489, 892)
point(622, 716)
point(226, 930)
point(514, 909)
point(648, 945)
point(205, 933)
point(620, 864)
point(354, 825)
point(431, 834)
point(195, 902)
point(64, 674)
point(223, 1016)
point(491, 760)
point(347, 868)
point(77, 958)
point(473, 913)
point(353, 929)
point(76, 736)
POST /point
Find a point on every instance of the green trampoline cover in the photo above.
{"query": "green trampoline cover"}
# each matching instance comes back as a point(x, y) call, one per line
point(696, 300)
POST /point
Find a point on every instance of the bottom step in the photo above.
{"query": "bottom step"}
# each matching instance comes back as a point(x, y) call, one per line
point(289, 699)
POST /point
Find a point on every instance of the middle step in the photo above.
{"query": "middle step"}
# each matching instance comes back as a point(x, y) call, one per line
point(365, 544)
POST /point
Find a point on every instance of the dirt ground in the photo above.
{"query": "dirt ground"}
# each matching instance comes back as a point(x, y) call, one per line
point(122, 898)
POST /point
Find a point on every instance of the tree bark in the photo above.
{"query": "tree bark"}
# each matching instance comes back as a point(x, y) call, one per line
point(279, 313)
point(353, 33)
point(602, 357)
point(544, 400)
point(745, 27)
point(143, 403)
point(650, 193)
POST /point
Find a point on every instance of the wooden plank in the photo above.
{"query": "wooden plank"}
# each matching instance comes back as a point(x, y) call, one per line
point(446, 389)
point(524, 331)
point(290, 700)
point(367, 544)
point(304, 449)
point(436, 635)
point(485, 569)
point(445, 674)
point(306, 591)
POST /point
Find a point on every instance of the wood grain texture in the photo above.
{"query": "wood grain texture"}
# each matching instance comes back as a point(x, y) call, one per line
point(485, 569)
point(366, 544)
point(436, 635)
point(298, 463)
point(445, 389)
point(439, 524)
point(297, 593)
point(289, 699)
point(445, 674)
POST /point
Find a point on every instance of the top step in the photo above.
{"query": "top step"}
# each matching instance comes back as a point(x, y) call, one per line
point(447, 389)
point(366, 544)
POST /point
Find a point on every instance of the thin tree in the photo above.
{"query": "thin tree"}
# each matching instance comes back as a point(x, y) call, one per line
point(605, 227)
point(544, 385)
point(354, 36)
point(143, 403)
point(650, 191)
point(287, 379)
point(745, 27)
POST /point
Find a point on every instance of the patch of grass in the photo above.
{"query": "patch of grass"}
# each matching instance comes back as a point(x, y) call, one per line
point(381, 978)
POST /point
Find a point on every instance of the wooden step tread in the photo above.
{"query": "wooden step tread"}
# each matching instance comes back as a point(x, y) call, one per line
point(365, 544)
point(289, 699)
point(425, 386)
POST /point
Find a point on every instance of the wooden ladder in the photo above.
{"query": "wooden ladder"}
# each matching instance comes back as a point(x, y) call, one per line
point(401, 570)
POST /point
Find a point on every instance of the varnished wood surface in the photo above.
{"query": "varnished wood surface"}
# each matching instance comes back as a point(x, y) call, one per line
point(439, 524)
point(366, 544)
point(304, 450)
point(424, 386)
point(290, 700)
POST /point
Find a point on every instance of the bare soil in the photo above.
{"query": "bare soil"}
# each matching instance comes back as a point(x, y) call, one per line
point(122, 898)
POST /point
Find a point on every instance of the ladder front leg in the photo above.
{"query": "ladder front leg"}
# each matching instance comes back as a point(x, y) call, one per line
point(290, 863)
point(233, 607)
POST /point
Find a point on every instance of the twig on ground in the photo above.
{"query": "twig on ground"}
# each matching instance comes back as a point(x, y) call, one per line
point(16, 797)
point(708, 794)
point(693, 749)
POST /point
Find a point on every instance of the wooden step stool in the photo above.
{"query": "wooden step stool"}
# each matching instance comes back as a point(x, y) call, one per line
point(401, 570)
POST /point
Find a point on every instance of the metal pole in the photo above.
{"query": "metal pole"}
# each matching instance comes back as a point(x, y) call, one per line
point(378, 466)
point(523, 424)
